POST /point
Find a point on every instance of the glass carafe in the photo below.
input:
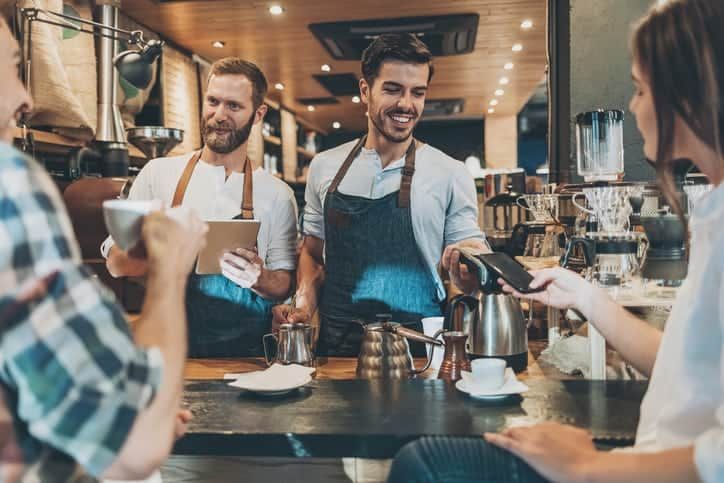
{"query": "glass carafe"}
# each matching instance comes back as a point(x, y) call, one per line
point(599, 145)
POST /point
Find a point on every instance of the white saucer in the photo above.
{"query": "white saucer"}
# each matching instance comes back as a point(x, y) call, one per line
point(276, 380)
point(511, 386)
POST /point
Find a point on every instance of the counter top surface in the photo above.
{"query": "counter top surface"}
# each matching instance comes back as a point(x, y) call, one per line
point(338, 416)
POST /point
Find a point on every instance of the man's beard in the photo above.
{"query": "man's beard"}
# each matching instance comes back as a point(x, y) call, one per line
point(379, 122)
point(224, 144)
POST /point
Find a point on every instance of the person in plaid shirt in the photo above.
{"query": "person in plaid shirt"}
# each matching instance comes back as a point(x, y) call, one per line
point(80, 397)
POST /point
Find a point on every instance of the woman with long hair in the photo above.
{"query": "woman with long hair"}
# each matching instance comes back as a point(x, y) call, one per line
point(678, 73)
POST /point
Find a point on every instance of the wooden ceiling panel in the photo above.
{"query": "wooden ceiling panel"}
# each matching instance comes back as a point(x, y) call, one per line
point(287, 52)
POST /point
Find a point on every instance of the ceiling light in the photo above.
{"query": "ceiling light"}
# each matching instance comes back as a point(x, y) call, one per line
point(517, 47)
point(279, 86)
point(218, 44)
point(276, 10)
point(356, 99)
point(336, 125)
point(508, 66)
point(494, 102)
point(526, 24)
point(504, 80)
point(499, 92)
point(310, 108)
point(326, 68)
point(491, 110)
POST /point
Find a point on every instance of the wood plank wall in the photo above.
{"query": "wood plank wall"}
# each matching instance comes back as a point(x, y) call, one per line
point(181, 97)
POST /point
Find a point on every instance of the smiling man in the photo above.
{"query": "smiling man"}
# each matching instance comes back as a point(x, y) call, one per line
point(229, 313)
point(383, 211)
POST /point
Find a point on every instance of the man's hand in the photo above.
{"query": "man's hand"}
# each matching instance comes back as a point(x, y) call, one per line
point(459, 273)
point(11, 458)
point(283, 314)
point(243, 267)
point(558, 452)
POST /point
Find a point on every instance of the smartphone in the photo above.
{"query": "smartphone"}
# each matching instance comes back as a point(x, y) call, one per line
point(509, 270)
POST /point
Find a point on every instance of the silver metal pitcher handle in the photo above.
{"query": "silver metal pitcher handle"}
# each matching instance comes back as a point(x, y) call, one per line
point(269, 361)
point(429, 358)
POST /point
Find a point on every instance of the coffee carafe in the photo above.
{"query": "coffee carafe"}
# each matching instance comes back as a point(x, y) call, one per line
point(492, 320)
point(385, 352)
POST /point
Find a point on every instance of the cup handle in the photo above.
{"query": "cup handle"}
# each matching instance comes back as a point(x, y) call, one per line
point(582, 208)
point(269, 361)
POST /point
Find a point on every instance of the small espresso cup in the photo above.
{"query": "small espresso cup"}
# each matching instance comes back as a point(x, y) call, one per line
point(488, 374)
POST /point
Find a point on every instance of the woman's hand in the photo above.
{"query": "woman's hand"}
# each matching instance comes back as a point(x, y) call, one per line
point(563, 289)
point(559, 453)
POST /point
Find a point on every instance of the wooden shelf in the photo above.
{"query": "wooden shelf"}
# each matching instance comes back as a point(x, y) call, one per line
point(273, 140)
point(45, 137)
point(53, 139)
point(305, 153)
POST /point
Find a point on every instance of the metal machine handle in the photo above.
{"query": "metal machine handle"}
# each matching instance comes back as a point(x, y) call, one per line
point(269, 361)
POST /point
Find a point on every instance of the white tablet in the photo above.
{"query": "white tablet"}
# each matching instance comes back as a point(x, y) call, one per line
point(223, 236)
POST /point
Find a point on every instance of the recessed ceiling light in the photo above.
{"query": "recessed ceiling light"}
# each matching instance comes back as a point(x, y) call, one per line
point(356, 99)
point(508, 66)
point(526, 24)
point(336, 125)
point(279, 86)
point(517, 47)
point(491, 110)
point(494, 102)
point(504, 80)
point(499, 92)
point(219, 44)
point(326, 68)
point(276, 10)
point(310, 108)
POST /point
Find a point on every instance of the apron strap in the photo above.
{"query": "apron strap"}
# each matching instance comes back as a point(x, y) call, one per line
point(403, 197)
point(247, 203)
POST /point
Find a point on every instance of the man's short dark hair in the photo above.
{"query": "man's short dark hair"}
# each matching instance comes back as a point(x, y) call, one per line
point(237, 66)
point(402, 47)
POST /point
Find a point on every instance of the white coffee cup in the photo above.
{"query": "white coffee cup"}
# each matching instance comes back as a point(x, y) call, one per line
point(488, 374)
point(430, 325)
point(124, 219)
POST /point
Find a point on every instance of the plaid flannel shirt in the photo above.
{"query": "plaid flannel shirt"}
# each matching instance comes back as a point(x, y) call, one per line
point(73, 379)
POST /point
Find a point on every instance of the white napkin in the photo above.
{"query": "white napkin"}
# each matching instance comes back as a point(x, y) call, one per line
point(276, 377)
point(510, 386)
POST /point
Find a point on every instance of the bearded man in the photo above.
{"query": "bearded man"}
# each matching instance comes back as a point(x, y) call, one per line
point(229, 313)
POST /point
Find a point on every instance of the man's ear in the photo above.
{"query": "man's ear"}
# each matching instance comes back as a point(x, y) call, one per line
point(260, 113)
point(364, 90)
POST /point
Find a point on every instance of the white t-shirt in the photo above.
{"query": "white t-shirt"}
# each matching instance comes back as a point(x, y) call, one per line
point(443, 201)
point(684, 403)
point(213, 196)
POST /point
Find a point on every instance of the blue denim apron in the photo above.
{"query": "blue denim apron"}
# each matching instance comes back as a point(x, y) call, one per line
point(372, 264)
point(225, 320)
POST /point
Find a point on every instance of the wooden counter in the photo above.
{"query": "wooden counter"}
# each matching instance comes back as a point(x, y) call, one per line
point(336, 368)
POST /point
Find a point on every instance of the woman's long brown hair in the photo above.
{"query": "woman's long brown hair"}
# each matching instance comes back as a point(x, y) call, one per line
point(679, 46)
